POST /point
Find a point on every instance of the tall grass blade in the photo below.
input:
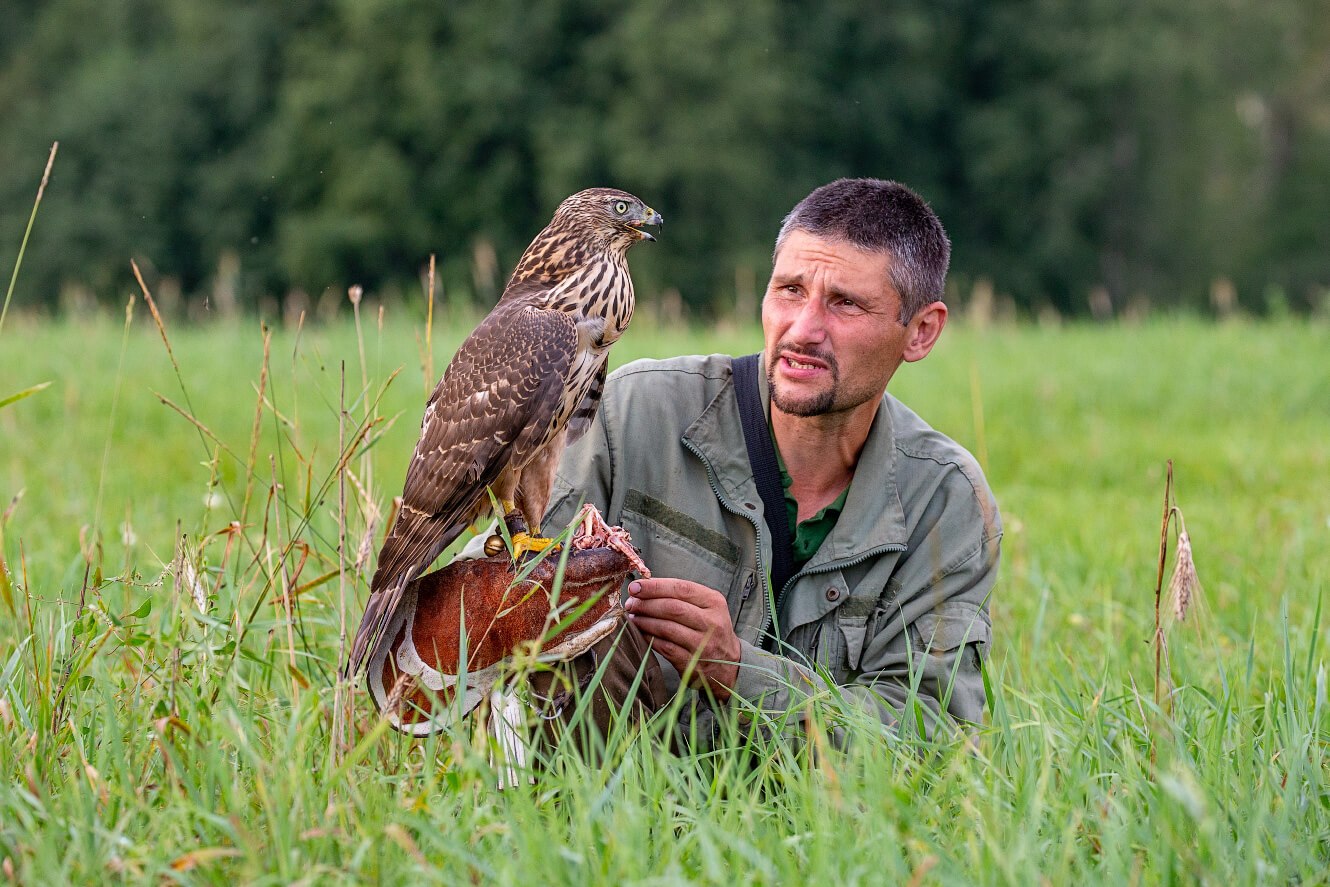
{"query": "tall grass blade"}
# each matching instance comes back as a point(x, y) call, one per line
point(26, 392)
point(27, 232)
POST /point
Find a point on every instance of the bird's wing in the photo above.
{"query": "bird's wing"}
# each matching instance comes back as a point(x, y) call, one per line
point(492, 408)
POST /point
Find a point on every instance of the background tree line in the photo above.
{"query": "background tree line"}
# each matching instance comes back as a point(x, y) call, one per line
point(1106, 148)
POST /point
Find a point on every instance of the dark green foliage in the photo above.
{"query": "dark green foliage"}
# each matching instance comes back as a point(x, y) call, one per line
point(1148, 149)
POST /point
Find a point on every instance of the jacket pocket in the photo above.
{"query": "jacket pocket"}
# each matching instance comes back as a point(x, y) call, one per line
point(669, 553)
point(952, 625)
point(854, 630)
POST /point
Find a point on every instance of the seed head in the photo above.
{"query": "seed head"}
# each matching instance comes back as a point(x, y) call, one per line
point(1184, 585)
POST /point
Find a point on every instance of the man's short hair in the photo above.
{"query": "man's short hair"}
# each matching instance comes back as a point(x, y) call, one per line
point(886, 217)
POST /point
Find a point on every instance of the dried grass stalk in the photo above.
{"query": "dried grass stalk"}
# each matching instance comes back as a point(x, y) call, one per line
point(1183, 586)
point(189, 580)
point(404, 685)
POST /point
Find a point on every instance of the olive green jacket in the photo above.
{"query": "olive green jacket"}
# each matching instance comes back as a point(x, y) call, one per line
point(896, 597)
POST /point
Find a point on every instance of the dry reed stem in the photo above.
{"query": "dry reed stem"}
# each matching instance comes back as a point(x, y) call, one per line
point(271, 556)
point(341, 741)
point(1173, 604)
point(13, 504)
point(1159, 583)
point(23, 245)
point(231, 531)
point(157, 318)
point(27, 607)
point(1159, 641)
point(203, 429)
point(355, 293)
point(429, 329)
point(204, 432)
point(254, 429)
point(284, 582)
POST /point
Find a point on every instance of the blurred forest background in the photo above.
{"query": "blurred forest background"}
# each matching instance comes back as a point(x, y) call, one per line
point(1084, 156)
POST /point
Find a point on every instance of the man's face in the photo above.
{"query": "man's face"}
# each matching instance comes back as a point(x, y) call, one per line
point(831, 320)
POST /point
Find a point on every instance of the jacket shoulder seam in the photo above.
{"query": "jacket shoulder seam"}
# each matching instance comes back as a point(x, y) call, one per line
point(625, 372)
point(977, 489)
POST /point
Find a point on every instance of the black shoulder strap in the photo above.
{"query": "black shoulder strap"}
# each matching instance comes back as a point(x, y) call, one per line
point(766, 470)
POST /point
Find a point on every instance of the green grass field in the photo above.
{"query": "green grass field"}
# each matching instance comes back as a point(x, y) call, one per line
point(145, 739)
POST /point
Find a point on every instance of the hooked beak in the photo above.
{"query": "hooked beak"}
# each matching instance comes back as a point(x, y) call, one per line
point(650, 217)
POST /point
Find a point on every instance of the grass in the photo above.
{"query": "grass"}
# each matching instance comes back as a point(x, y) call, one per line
point(148, 739)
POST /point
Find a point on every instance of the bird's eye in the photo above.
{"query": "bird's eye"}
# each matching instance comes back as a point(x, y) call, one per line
point(621, 207)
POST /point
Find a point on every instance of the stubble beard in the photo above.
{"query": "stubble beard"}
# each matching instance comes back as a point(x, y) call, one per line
point(819, 404)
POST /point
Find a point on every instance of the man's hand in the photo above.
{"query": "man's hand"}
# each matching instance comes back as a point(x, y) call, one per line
point(688, 624)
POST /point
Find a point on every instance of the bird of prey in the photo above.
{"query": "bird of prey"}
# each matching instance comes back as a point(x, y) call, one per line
point(522, 386)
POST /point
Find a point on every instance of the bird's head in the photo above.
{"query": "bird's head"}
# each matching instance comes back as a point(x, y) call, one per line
point(614, 219)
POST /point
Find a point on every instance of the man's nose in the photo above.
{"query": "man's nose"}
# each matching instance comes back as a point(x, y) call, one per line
point(809, 322)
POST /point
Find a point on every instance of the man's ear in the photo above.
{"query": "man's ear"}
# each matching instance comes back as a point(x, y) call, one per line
point(923, 331)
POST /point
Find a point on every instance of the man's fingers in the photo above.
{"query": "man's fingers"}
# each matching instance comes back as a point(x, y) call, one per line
point(673, 653)
point(669, 630)
point(684, 620)
point(677, 589)
point(667, 608)
point(719, 675)
point(678, 656)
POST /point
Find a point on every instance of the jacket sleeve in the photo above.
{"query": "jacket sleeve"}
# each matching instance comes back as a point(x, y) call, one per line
point(920, 654)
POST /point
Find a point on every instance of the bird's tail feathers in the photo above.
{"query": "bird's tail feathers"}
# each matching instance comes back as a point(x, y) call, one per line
point(412, 545)
point(371, 634)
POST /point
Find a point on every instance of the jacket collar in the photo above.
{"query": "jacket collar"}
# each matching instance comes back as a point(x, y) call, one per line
point(873, 516)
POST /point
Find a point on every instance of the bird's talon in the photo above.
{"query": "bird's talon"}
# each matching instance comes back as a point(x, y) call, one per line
point(525, 542)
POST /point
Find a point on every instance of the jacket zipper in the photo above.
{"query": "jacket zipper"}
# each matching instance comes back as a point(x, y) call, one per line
point(833, 566)
point(768, 598)
point(757, 528)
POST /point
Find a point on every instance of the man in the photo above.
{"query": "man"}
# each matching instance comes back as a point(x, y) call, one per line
point(894, 531)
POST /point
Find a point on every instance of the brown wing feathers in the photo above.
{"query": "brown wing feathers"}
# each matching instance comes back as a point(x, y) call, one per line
point(502, 387)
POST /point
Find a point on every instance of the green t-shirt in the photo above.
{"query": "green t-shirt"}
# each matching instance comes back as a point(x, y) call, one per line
point(806, 537)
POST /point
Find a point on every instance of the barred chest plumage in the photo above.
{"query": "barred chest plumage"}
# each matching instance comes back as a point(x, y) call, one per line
point(598, 292)
point(600, 296)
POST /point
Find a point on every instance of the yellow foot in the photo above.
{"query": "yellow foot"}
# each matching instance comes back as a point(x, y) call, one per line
point(524, 542)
